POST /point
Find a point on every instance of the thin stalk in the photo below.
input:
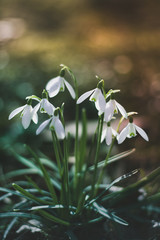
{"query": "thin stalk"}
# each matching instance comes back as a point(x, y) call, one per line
point(77, 124)
point(105, 164)
point(56, 148)
point(100, 126)
point(107, 157)
point(46, 176)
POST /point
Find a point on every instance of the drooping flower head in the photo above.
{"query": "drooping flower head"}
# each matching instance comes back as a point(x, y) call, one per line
point(95, 95)
point(112, 107)
point(44, 105)
point(130, 131)
point(27, 114)
point(58, 84)
point(108, 133)
point(54, 124)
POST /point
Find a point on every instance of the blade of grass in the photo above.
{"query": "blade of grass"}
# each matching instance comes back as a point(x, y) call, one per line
point(113, 159)
point(29, 195)
point(46, 176)
point(9, 227)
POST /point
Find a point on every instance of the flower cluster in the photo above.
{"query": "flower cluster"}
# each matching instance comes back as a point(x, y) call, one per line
point(108, 106)
point(28, 113)
point(105, 104)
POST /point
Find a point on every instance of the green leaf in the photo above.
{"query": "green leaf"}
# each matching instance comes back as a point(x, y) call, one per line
point(20, 214)
point(29, 195)
point(46, 177)
point(20, 172)
point(132, 188)
point(113, 159)
point(110, 185)
point(110, 215)
point(9, 227)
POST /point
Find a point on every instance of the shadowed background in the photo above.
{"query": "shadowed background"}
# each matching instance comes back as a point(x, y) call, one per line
point(117, 40)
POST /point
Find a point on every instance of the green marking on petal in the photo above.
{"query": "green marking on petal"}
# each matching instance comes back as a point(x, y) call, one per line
point(132, 134)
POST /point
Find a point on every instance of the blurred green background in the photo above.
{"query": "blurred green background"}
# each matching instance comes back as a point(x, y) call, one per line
point(119, 40)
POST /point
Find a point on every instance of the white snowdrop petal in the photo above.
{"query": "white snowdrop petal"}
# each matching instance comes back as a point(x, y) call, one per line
point(16, 111)
point(35, 117)
point(131, 130)
point(84, 96)
point(109, 111)
point(27, 116)
point(36, 108)
point(108, 136)
point(123, 134)
point(42, 126)
point(48, 107)
point(121, 109)
point(70, 89)
point(103, 135)
point(95, 95)
point(141, 132)
point(59, 129)
point(100, 103)
point(53, 86)
point(52, 82)
point(114, 132)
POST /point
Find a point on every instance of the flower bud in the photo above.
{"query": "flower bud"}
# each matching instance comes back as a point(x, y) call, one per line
point(29, 101)
point(62, 72)
point(131, 119)
point(44, 94)
point(100, 85)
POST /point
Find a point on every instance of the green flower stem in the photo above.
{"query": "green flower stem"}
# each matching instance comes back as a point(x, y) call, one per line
point(105, 164)
point(100, 126)
point(53, 218)
point(66, 175)
point(107, 157)
point(76, 177)
point(56, 148)
point(29, 195)
point(47, 178)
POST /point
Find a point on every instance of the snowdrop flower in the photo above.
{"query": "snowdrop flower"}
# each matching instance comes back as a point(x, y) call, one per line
point(57, 84)
point(108, 133)
point(28, 114)
point(55, 124)
point(95, 96)
point(45, 107)
point(130, 131)
point(112, 107)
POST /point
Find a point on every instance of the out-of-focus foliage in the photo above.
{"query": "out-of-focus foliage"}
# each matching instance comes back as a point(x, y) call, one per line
point(117, 40)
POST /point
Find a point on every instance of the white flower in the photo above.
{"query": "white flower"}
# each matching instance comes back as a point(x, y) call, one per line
point(57, 84)
point(55, 124)
point(112, 107)
point(130, 131)
point(28, 114)
point(45, 106)
point(95, 96)
point(108, 133)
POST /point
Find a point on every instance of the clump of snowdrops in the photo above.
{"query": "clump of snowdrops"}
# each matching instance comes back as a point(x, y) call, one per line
point(67, 198)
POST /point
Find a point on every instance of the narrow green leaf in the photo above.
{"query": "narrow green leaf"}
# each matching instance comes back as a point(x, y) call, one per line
point(20, 172)
point(9, 227)
point(113, 158)
point(110, 185)
point(20, 214)
point(53, 218)
point(132, 188)
point(46, 176)
point(29, 195)
point(5, 196)
point(110, 215)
